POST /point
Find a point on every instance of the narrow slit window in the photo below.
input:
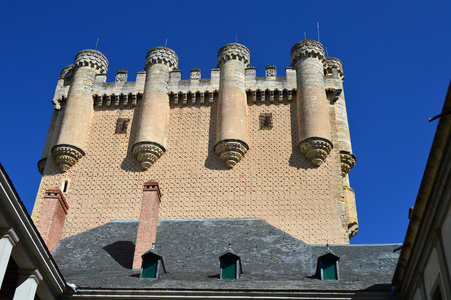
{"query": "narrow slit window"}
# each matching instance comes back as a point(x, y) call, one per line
point(65, 185)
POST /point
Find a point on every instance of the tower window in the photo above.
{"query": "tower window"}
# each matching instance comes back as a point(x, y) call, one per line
point(65, 185)
point(230, 266)
point(121, 125)
point(266, 121)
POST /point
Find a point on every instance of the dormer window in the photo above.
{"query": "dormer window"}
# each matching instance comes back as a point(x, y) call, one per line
point(152, 265)
point(230, 266)
point(327, 268)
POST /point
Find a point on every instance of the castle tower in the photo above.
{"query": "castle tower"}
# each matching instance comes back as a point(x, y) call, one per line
point(235, 145)
point(334, 85)
point(151, 139)
point(231, 132)
point(78, 111)
point(313, 113)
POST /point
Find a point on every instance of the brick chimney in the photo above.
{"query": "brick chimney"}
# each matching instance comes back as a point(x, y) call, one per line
point(52, 218)
point(148, 219)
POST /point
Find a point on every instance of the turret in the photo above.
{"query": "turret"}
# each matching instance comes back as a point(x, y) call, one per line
point(334, 86)
point(231, 130)
point(313, 107)
point(151, 138)
point(76, 119)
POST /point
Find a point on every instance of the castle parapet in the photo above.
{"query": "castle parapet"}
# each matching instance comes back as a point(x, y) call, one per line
point(234, 51)
point(162, 55)
point(93, 59)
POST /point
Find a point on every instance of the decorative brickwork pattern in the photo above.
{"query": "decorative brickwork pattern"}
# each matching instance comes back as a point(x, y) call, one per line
point(274, 181)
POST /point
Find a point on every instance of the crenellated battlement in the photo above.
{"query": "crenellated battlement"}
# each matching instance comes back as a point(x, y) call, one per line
point(333, 63)
point(307, 48)
point(234, 51)
point(93, 59)
point(162, 55)
point(67, 71)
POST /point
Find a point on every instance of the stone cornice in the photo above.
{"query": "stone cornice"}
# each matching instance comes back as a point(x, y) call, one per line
point(10, 234)
point(234, 51)
point(307, 48)
point(93, 59)
point(162, 55)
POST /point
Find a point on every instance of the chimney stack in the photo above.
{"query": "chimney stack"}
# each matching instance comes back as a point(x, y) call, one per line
point(148, 220)
point(53, 215)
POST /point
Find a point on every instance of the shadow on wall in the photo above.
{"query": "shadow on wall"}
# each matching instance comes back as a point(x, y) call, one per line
point(297, 160)
point(129, 163)
point(122, 252)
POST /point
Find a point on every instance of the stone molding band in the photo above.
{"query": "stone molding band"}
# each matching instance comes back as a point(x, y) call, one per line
point(347, 160)
point(231, 151)
point(147, 153)
point(93, 59)
point(234, 51)
point(307, 48)
point(66, 155)
point(334, 63)
point(162, 55)
point(315, 149)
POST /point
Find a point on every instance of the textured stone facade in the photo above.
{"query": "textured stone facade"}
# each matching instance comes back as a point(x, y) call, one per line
point(273, 181)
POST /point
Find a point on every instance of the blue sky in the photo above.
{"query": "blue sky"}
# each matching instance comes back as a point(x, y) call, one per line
point(394, 55)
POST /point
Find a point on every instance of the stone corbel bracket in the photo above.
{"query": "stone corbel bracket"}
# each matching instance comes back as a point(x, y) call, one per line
point(147, 153)
point(347, 160)
point(116, 100)
point(315, 149)
point(66, 156)
point(231, 151)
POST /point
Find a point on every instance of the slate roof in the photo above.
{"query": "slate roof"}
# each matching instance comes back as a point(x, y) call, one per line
point(271, 259)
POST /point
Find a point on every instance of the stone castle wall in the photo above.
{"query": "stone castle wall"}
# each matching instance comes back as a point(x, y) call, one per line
point(304, 192)
point(274, 181)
